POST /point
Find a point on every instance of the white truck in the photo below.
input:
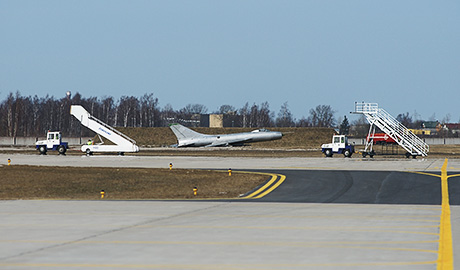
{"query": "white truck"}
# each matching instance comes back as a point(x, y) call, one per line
point(53, 142)
point(339, 145)
point(122, 143)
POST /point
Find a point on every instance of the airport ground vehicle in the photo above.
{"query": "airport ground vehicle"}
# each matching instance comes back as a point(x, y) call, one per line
point(122, 143)
point(339, 145)
point(53, 142)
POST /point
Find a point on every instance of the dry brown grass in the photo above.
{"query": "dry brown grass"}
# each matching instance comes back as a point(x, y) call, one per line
point(39, 182)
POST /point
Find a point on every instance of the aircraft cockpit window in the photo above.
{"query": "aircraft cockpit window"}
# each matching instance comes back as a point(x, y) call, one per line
point(261, 130)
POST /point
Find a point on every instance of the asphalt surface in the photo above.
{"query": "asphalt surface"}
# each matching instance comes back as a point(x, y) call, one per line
point(361, 187)
point(327, 214)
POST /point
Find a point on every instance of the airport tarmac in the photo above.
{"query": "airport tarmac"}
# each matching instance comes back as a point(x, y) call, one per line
point(235, 163)
point(217, 235)
point(325, 215)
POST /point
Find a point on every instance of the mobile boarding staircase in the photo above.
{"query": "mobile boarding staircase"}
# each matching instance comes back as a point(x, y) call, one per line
point(122, 142)
point(378, 117)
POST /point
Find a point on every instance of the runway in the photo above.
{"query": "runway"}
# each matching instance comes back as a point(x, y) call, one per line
point(362, 187)
point(327, 214)
point(236, 163)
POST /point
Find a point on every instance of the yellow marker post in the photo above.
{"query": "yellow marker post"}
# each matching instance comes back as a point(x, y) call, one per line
point(102, 194)
point(195, 191)
point(170, 166)
point(229, 172)
point(9, 162)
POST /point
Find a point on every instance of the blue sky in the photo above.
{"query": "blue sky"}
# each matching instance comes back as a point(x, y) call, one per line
point(403, 55)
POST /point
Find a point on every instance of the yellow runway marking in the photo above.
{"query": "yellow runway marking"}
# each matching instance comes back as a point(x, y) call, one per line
point(265, 189)
point(275, 181)
point(453, 175)
point(445, 252)
point(445, 255)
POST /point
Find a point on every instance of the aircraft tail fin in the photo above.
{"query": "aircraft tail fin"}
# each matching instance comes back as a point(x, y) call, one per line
point(182, 132)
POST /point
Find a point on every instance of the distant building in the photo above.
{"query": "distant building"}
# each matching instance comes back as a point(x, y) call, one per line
point(430, 124)
point(220, 120)
point(432, 127)
point(453, 127)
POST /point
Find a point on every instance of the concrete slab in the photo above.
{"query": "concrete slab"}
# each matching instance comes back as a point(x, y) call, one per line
point(222, 235)
point(216, 235)
point(236, 163)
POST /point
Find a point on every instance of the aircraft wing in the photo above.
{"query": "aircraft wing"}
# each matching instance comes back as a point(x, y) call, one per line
point(228, 142)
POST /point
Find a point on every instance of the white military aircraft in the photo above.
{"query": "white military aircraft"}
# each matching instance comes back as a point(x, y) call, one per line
point(189, 138)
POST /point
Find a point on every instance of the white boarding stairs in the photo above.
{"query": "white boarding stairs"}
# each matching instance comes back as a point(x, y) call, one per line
point(384, 121)
point(122, 142)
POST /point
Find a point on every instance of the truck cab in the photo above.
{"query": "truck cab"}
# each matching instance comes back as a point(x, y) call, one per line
point(339, 145)
point(53, 142)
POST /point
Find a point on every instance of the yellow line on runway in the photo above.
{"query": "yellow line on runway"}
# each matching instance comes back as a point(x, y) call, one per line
point(453, 175)
point(254, 195)
point(274, 176)
point(259, 193)
point(279, 182)
point(445, 253)
point(424, 173)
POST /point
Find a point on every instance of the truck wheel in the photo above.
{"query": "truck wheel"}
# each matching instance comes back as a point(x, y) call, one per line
point(347, 153)
point(328, 152)
point(42, 150)
point(408, 155)
point(61, 149)
point(88, 152)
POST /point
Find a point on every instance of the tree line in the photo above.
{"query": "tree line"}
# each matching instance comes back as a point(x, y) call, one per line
point(23, 116)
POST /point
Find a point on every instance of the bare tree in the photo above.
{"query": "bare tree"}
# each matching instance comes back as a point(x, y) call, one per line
point(359, 127)
point(405, 119)
point(128, 108)
point(244, 112)
point(285, 118)
point(225, 109)
point(322, 116)
point(148, 110)
point(303, 122)
point(193, 109)
point(168, 115)
point(108, 110)
point(344, 126)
